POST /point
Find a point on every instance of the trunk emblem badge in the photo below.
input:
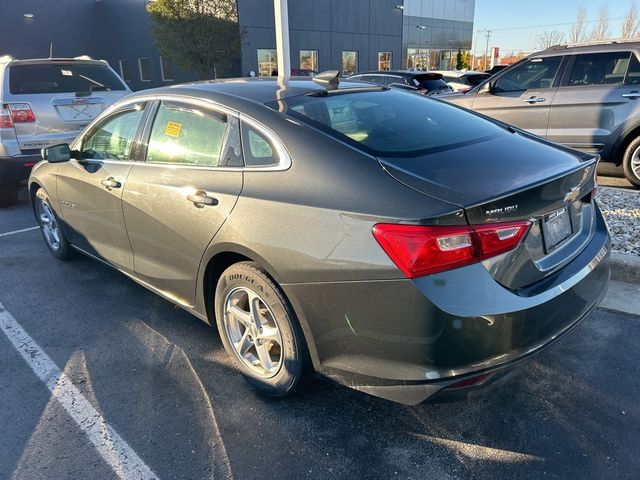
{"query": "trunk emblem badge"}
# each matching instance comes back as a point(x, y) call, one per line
point(572, 195)
point(497, 211)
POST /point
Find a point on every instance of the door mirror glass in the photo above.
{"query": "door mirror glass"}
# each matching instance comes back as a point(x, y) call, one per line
point(57, 153)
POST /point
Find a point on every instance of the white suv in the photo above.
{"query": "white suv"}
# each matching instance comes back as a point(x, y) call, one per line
point(45, 102)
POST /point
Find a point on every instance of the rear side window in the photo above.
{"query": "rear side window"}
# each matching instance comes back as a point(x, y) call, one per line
point(258, 150)
point(62, 78)
point(389, 122)
point(185, 135)
point(533, 74)
point(633, 76)
point(113, 138)
point(599, 69)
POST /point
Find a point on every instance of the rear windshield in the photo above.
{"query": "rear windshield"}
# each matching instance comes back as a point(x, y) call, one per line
point(62, 78)
point(429, 81)
point(389, 122)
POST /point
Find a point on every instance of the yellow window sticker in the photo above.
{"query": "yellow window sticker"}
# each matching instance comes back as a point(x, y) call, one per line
point(173, 129)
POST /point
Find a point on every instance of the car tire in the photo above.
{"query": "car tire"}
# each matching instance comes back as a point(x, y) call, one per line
point(631, 162)
point(50, 227)
point(270, 352)
point(8, 195)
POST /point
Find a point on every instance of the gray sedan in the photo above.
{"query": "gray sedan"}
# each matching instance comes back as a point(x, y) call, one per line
point(397, 244)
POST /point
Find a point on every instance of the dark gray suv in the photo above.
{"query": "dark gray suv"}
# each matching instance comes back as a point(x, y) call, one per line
point(586, 97)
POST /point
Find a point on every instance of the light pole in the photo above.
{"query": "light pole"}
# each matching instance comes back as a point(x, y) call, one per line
point(475, 48)
point(281, 12)
point(533, 40)
point(486, 48)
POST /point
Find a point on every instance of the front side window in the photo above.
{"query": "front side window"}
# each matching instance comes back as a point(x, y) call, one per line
point(599, 69)
point(384, 60)
point(144, 66)
point(534, 74)
point(113, 138)
point(267, 62)
point(186, 135)
point(309, 60)
point(258, 150)
point(389, 122)
point(349, 63)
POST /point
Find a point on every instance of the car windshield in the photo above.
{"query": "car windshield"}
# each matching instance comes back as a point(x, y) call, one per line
point(62, 78)
point(389, 122)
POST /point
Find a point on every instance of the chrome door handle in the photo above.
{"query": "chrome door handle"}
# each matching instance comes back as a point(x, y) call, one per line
point(200, 199)
point(631, 95)
point(535, 100)
point(111, 183)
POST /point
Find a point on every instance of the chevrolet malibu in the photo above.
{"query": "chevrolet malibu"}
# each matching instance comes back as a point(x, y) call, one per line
point(399, 245)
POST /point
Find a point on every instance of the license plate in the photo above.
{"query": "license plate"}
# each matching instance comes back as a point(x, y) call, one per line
point(556, 227)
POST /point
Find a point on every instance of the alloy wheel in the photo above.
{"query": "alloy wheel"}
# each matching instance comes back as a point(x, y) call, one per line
point(49, 225)
point(635, 163)
point(253, 332)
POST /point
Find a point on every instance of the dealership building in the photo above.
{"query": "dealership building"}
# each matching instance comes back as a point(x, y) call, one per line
point(347, 35)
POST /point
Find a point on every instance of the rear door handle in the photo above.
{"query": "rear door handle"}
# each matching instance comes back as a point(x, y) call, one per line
point(535, 100)
point(200, 199)
point(111, 183)
point(631, 95)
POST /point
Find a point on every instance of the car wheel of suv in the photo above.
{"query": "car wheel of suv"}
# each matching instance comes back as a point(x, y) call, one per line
point(8, 195)
point(50, 227)
point(259, 329)
point(631, 163)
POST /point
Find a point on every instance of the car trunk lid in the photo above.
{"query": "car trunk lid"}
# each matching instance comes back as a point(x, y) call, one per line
point(502, 179)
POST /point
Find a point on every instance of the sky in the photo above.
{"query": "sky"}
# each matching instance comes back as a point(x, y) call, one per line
point(513, 22)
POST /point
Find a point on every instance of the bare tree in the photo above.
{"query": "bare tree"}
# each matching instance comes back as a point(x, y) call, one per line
point(577, 33)
point(631, 23)
point(601, 30)
point(549, 39)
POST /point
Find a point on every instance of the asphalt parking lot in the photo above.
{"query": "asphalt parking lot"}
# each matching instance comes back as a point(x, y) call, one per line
point(161, 379)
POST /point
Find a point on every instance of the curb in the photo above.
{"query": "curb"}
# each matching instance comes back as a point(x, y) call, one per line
point(625, 267)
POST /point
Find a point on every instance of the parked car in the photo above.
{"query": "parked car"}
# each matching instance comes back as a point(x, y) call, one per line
point(495, 69)
point(45, 102)
point(463, 81)
point(586, 97)
point(397, 244)
point(427, 83)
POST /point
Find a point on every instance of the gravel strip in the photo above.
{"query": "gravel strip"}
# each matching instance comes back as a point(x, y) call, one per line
point(621, 208)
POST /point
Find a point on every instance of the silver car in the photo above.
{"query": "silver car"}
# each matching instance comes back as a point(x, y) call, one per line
point(45, 102)
point(586, 97)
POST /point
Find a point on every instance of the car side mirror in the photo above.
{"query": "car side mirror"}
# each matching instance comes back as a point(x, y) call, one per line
point(57, 153)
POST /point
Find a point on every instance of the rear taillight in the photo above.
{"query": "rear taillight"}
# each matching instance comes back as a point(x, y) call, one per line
point(21, 113)
point(419, 250)
point(5, 118)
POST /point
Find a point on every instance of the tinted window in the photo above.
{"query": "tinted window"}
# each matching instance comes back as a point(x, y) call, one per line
point(429, 82)
point(62, 78)
point(536, 73)
point(633, 76)
point(186, 135)
point(113, 138)
point(477, 79)
point(599, 69)
point(389, 122)
point(258, 149)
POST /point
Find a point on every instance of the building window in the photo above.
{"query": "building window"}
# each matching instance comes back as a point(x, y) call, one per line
point(309, 60)
point(267, 62)
point(167, 70)
point(349, 63)
point(144, 66)
point(384, 60)
point(125, 71)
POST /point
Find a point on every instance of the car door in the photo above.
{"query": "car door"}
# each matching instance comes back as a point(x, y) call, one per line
point(90, 187)
point(176, 201)
point(522, 96)
point(599, 93)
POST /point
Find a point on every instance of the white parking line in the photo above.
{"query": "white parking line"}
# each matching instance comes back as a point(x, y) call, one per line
point(18, 231)
point(111, 446)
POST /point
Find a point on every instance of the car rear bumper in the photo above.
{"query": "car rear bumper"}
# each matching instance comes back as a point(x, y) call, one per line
point(17, 168)
point(409, 340)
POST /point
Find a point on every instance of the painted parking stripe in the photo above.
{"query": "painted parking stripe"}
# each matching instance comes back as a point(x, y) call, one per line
point(112, 447)
point(18, 231)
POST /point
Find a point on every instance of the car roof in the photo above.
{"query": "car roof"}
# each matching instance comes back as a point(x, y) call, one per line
point(256, 89)
point(588, 48)
point(397, 72)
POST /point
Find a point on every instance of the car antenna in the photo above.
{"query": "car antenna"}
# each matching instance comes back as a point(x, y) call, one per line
point(330, 79)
